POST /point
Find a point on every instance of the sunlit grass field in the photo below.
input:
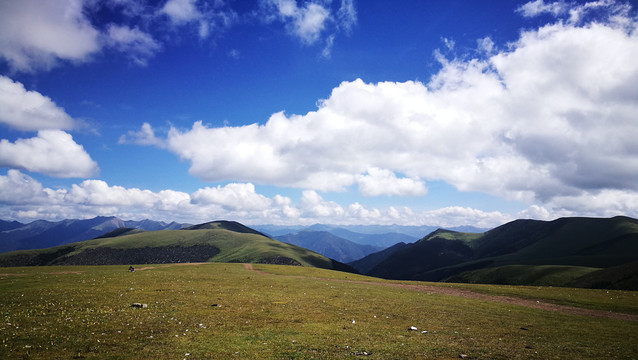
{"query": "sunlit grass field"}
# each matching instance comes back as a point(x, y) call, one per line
point(224, 311)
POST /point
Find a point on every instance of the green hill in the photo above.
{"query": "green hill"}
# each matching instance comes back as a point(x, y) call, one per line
point(220, 241)
point(524, 252)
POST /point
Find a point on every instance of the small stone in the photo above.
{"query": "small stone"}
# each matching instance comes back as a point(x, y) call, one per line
point(412, 328)
point(462, 356)
point(424, 332)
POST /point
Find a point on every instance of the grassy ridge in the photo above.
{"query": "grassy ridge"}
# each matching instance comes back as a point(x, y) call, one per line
point(233, 246)
point(525, 252)
point(85, 312)
point(534, 275)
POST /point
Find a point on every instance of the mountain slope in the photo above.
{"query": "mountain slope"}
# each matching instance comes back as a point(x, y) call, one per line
point(43, 234)
point(439, 249)
point(573, 242)
point(329, 245)
point(367, 263)
point(217, 244)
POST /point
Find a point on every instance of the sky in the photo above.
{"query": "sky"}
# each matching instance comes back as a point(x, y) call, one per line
point(294, 112)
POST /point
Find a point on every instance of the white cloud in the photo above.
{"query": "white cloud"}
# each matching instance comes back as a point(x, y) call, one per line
point(312, 21)
point(52, 152)
point(233, 196)
point(24, 198)
point(206, 16)
point(305, 22)
point(313, 205)
point(347, 15)
point(486, 45)
point(384, 182)
point(19, 188)
point(537, 7)
point(145, 136)
point(573, 12)
point(181, 11)
point(456, 215)
point(36, 34)
point(39, 35)
point(551, 117)
point(136, 44)
point(30, 110)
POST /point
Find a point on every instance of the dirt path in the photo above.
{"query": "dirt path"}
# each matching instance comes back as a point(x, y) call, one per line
point(535, 304)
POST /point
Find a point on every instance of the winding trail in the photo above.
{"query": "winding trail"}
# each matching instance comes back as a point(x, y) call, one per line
point(442, 290)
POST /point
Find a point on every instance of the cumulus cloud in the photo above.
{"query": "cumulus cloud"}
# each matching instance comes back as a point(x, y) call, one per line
point(384, 182)
point(144, 136)
point(455, 215)
point(30, 110)
point(233, 196)
point(23, 197)
point(51, 152)
point(37, 35)
point(550, 117)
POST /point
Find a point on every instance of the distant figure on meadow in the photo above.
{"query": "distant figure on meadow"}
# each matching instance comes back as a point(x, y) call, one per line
point(131, 269)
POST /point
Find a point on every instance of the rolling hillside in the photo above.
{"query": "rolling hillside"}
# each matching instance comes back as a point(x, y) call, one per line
point(367, 263)
point(220, 241)
point(573, 247)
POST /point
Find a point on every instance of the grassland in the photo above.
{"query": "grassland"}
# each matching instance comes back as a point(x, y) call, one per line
point(226, 311)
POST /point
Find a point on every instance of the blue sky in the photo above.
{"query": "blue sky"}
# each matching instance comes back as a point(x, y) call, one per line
point(299, 112)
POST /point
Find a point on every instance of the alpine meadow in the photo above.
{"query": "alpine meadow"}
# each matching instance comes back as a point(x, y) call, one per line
point(318, 179)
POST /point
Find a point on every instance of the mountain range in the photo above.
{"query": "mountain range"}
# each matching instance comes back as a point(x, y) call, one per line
point(217, 241)
point(41, 234)
point(329, 245)
point(583, 252)
point(586, 252)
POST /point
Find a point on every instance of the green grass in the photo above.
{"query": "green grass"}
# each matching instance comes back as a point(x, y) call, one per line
point(84, 312)
point(598, 299)
point(535, 275)
point(467, 238)
point(233, 246)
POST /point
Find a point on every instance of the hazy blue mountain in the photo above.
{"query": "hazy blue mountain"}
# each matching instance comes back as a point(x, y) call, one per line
point(328, 245)
point(377, 235)
point(150, 225)
point(383, 240)
point(277, 230)
point(41, 234)
point(9, 225)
